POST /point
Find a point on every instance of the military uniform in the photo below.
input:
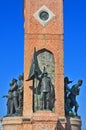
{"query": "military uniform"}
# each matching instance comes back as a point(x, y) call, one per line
point(45, 91)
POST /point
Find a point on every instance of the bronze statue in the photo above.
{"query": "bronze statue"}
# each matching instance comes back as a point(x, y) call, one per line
point(14, 87)
point(71, 99)
point(66, 87)
point(15, 97)
point(9, 97)
point(47, 95)
point(44, 88)
point(12, 102)
point(66, 92)
point(20, 91)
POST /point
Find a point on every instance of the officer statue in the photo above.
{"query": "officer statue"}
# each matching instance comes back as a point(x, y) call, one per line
point(47, 95)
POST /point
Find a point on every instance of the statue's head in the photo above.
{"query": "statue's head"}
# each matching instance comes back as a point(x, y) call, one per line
point(80, 82)
point(66, 80)
point(12, 82)
point(21, 77)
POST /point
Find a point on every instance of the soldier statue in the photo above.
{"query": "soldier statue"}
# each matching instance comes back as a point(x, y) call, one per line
point(12, 102)
point(20, 90)
point(9, 97)
point(47, 95)
point(14, 87)
point(71, 100)
point(66, 87)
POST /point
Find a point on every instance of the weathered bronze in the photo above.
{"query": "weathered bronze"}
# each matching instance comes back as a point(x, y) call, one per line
point(20, 95)
point(9, 103)
point(66, 87)
point(71, 100)
point(43, 90)
point(20, 90)
point(15, 97)
point(34, 69)
point(14, 87)
point(12, 102)
point(47, 94)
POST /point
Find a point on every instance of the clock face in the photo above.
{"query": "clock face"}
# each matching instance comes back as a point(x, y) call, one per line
point(44, 15)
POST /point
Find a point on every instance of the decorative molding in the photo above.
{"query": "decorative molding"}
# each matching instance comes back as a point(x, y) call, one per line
point(50, 16)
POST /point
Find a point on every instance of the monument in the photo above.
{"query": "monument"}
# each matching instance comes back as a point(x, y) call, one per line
point(39, 101)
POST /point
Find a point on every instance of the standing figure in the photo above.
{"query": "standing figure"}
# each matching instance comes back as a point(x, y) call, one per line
point(14, 88)
point(9, 97)
point(46, 89)
point(72, 97)
point(66, 93)
point(20, 91)
point(66, 87)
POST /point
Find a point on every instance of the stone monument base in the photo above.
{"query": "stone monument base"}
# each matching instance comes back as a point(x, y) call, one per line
point(41, 120)
point(12, 123)
point(16, 123)
point(47, 120)
point(73, 123)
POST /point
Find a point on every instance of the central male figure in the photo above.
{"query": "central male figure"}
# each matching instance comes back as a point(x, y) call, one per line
point(46, 91)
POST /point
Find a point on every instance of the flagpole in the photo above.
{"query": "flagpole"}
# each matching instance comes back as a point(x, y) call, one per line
point(33, 75)
point(35, 94)
point(35, 85)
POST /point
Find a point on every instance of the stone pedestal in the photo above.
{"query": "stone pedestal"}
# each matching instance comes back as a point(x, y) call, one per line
point(12, 123)
point(41, 120)
point(17, 123)
point(74, 123)
point(47, 120)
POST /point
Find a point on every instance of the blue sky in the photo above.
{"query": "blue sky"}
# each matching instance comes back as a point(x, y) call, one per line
point(12, 46)
point(75, 48)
